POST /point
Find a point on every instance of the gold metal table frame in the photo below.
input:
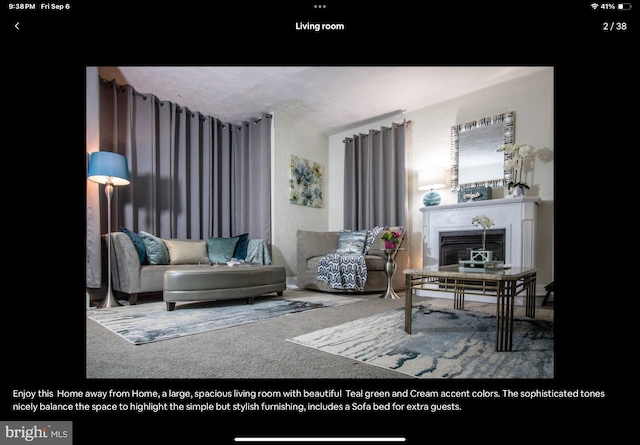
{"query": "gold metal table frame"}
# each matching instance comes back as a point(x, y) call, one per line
point(502, 284)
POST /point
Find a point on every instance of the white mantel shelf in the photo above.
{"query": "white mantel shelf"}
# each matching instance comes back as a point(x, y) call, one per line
point(517, 216)
point(476, 204)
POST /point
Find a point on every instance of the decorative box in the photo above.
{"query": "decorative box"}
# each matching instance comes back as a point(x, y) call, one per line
point(481, 256)
point(479, 193)
point(480, 266)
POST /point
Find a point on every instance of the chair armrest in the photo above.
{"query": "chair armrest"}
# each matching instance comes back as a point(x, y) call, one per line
point(311, 244)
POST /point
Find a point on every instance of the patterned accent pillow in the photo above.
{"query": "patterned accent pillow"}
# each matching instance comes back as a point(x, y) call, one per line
point(351, 242)
point(187, 251)
point(371, 237)
point(221, 249)
point(137, 242)
point(157, 252)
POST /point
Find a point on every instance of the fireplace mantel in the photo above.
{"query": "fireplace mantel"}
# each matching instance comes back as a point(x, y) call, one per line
point(516, 215)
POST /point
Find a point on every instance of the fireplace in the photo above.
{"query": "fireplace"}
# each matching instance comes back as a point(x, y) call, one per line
point(448, 233)
point(515, 218)
point(457, 245)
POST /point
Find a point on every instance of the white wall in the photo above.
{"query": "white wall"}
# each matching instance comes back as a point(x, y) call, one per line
point(294, 139)
point(532, 99)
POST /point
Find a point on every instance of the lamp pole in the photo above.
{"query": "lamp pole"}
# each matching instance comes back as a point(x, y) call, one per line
point(109, 300)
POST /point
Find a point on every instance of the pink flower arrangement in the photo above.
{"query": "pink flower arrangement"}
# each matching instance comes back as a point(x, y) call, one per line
point(391, 238)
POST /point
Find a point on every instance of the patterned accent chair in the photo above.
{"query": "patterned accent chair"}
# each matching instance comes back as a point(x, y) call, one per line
point(313, 246)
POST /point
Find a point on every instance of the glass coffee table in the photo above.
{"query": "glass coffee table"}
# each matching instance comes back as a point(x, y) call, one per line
point(504, 284)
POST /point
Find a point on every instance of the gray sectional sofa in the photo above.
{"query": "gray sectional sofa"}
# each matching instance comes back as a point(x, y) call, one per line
point(312, 246)
point(132, 277)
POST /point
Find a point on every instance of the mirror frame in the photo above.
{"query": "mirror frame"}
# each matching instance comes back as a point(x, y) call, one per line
point(508, 122)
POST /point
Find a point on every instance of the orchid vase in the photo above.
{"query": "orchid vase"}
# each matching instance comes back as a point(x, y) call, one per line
point(517, 191)
point(389, 244)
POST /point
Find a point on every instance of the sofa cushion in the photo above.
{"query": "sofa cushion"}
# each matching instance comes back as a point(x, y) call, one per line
point(375, 263)
point(351, 242)
point(157, 252)
point(187, 251)
point(221, 249)
point(137, 242)
point(240, 252)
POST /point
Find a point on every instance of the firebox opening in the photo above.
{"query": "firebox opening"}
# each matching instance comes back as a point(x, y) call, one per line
point(457, 245)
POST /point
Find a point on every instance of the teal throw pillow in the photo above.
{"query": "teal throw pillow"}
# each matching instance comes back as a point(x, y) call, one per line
point(240, 253)
point(137, 242)
point(220, 250)
point(351, 242)
point(157, 252)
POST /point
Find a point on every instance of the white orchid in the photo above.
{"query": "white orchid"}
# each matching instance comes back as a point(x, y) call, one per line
point(482, 220)
point(485, 222)
point(515, 163)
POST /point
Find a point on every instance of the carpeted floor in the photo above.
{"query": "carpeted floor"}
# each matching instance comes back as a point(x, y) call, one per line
point(446, 343)
point(253, 350)
point(141, 324)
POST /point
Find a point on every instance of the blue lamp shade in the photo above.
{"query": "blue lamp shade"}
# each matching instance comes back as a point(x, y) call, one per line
point(107, 167)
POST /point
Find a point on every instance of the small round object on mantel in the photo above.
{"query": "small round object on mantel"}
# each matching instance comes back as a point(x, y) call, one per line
point(431, 199)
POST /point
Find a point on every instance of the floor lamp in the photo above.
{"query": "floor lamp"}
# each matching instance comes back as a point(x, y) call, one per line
point(109, 169)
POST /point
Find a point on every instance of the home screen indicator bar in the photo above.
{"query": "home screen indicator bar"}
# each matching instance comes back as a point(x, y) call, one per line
point(320, 439)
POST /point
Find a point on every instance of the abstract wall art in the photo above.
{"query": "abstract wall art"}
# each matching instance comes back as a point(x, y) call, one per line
point(305, 182)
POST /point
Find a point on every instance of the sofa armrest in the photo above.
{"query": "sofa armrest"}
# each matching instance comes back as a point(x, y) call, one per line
point(125, 264)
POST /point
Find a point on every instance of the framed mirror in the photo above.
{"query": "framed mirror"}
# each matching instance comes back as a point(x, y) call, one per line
point(475, 159)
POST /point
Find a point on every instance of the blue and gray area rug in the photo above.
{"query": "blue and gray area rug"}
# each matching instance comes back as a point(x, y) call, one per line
point(146, 323)
point(446, 344)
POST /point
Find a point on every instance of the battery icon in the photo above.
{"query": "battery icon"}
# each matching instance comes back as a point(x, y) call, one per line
point(624, 6)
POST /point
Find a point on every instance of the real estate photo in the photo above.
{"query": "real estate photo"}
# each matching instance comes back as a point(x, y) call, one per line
point(320, 222)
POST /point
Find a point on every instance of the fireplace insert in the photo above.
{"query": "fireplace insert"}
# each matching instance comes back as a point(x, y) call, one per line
point(457, 245)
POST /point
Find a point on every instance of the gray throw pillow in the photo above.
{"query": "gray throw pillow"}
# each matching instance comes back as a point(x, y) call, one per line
point(351, 242)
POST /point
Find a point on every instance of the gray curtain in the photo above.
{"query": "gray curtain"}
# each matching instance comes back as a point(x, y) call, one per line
point(375, 180)
point(192, 176)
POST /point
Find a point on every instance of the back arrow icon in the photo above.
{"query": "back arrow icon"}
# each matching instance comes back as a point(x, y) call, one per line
point(16, 25)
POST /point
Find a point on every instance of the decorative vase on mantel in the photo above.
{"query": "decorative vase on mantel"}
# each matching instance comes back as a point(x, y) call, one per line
point(517, 191)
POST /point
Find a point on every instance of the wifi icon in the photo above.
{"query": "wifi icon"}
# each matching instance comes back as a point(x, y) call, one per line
point(594, 6)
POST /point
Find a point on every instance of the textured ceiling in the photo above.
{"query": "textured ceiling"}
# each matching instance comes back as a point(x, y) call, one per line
point(329, 99)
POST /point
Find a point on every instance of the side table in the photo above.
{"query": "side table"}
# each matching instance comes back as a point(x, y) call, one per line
point(390, 269)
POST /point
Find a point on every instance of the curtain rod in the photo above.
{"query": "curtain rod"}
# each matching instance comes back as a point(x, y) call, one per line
point(179, 107)
point(409, 122)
